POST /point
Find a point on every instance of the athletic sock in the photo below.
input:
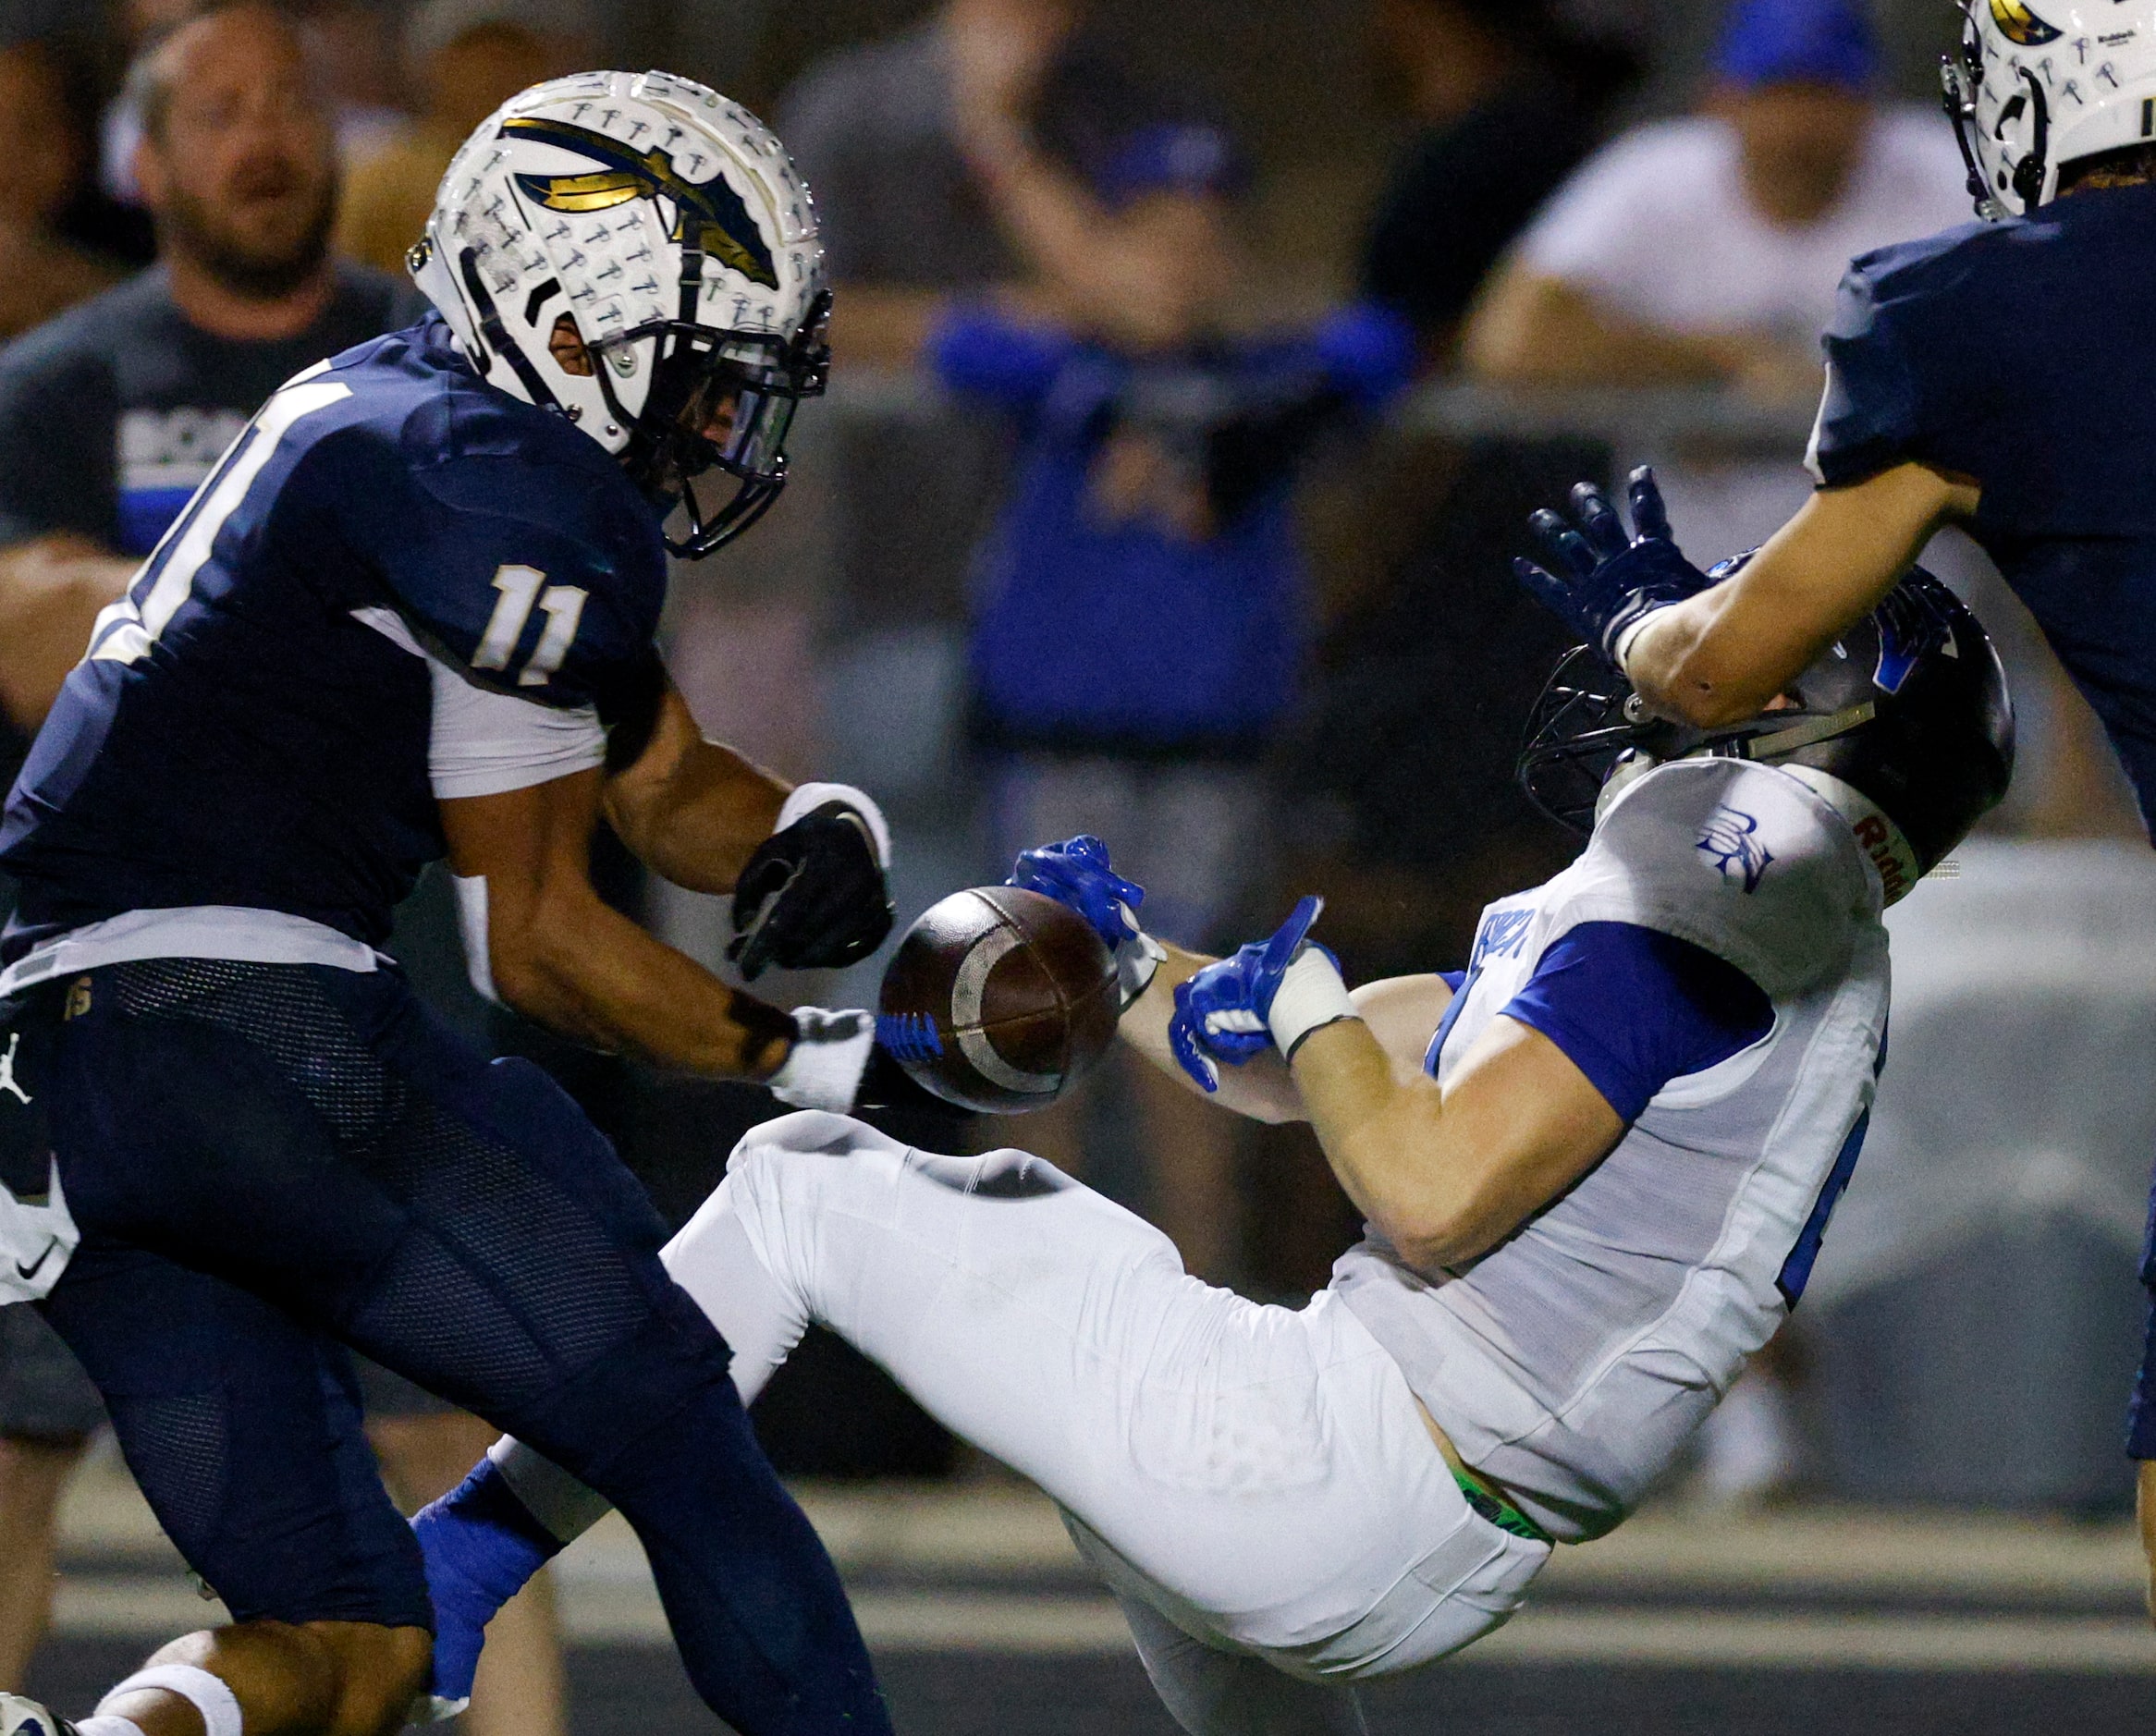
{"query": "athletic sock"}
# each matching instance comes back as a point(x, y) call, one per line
point(480, 1545)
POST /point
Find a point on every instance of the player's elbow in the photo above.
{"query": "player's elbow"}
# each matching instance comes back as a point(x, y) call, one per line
point(1438, 1224)
point(1432, 1238)
point(538, 955)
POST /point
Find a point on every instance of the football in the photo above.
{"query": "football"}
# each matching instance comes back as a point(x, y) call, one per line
point(999, 1000)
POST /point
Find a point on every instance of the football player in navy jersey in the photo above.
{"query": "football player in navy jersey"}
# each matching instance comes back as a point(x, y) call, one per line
point(411, 613)
point(2000, 377)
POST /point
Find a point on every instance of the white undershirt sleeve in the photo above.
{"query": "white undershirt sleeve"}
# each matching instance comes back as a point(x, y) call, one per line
point(485, 743)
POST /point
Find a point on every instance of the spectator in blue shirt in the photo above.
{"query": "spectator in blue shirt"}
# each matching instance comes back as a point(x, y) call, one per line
point(1140, 621)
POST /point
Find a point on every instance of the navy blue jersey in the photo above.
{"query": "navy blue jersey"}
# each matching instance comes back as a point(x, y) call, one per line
point(248, 730)
point(2023, 355)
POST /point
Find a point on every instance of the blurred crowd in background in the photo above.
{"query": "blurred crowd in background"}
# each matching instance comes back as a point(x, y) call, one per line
point(1197, 365)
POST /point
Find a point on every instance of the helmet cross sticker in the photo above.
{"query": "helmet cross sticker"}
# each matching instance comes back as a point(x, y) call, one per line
point(711, 217)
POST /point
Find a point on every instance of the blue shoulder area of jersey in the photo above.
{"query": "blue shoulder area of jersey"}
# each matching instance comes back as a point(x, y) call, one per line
point(2009, 353)
point(1634, 1009)
point(512, 543)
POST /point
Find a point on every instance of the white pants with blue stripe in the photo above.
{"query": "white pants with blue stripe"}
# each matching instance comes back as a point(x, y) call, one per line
point(1255, 1484)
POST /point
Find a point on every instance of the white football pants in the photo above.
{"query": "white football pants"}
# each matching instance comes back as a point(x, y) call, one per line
point(1255, 1483)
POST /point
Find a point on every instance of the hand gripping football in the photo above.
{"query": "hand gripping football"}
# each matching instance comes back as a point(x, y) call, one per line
point(1000, 1000)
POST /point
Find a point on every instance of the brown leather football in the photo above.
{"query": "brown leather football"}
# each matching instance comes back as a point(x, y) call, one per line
point(1000, 1000)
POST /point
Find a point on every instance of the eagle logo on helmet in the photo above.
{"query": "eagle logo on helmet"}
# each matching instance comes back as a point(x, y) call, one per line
point(2021, 26)
point(711, 217)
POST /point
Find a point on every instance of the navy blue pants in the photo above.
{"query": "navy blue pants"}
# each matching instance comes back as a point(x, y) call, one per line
point(270, 1163)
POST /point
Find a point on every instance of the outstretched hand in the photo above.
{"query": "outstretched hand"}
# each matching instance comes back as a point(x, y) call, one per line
point(1605, 580)
point(1078, 873)
point(1221, 1013)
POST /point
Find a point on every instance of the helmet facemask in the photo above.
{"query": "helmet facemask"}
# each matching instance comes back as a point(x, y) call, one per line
point(719, 403)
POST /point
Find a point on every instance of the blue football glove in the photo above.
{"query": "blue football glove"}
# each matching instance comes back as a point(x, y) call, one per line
point(1605, 580)
point(1078, 873)
point(1221, 1013)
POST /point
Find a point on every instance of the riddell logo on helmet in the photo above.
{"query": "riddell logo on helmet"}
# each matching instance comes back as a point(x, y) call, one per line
point(1887, 852)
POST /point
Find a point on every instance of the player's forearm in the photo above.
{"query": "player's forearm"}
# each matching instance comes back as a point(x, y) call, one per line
point(1723, 656)
point(1260, 1090)
point(1448, 1173)
point(582, 968)
point(51, 590)
point(699, 822)
point(1382, 1137)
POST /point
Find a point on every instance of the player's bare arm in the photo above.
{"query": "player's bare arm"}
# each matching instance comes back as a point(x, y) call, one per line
point(1401, 1013)
point(1722, 656)
point(1448, 1172)
point(557, 953)
point(690, 810)
point(1445, 1174)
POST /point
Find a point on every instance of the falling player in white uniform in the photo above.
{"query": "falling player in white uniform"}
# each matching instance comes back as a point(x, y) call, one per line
point(1596, 1174)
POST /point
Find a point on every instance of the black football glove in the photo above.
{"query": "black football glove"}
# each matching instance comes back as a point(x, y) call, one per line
point(813, 896)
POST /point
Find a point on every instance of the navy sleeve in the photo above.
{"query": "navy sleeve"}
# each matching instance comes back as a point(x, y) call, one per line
point(1454, 980)
point(1634, 1009)
point(976, 349)
point(537, 571)
point(1873, 413)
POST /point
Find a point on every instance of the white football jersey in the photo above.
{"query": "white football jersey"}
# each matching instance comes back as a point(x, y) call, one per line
point(1572, 1362)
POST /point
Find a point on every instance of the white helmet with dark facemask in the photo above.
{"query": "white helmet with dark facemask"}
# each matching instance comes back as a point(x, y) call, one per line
point(2038, 84)
point(664, 230)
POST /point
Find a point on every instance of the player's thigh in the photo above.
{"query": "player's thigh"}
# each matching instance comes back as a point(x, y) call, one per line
point(991, 1287)
point(242, 1427)
point(318, 1137)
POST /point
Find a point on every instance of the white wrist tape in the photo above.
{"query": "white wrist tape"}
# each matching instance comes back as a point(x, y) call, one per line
point(1138, 960)
point(824, 1068)
point(1311, 996)
point(205, 1692)
point(807, 798)
point(471, 891)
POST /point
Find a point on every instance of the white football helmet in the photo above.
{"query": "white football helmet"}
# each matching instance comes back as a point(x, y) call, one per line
point(667, 227)
point(2041, 83)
